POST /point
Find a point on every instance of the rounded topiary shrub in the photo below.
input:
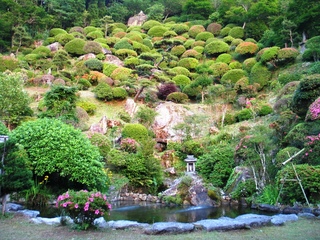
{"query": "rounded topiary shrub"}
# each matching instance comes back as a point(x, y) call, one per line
point(181, 80)
point(102, 142)
point(195, 30)
point(103, 91)
point(165, 89)
point(216, 47)
point(285, 78)
point(199, 49)
point(245, 48)
point(63, 38)
point(187, 44)
point(89, 29)
point(123, 44)
point(219, 69)
point(236, 32)
point(287, 55)
point(179, 70)
point(224, 57)
point(177, 97)
point(192, 91)
point(264, 110)
point(198, 43)
point(269, 54)
point(260, 74)
point(76, 29)
point(191, 53)
point(235, 42)
point(235, 65)
point(55, 31)
point(180, 28)
point(75, 47)
point(139, 47)
point(228, 39)
point(224, 31)
point(157, 31)
point(88, 106)
point(42, 51)
point(149, 24)
point(95, 34)
point(214, 28)
point(92, 47)
point(204, 36)
point(189, 63)
point(121, 73)
point(178, 50)
point(108, 68)
point(170, 34)
point(135, 130)
point(119, 93)
point(124, 53)
point(94, 64)
point(232, 76)
point(248, 64)
point(244, 114)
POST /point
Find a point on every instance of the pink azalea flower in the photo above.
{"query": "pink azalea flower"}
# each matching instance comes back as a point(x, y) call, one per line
point(76, 205)
point(96, 212)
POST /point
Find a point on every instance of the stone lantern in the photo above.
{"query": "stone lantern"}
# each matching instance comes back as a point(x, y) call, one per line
point(191, 163)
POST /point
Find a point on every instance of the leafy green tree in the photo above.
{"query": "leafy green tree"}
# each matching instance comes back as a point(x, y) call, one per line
point(197, 9)
point(203, 81)
point(146, 116)
point(313, 46)
point(60, 102)
point(62, 152)
point(155, 12)
point(14, 100)
point(15, 174)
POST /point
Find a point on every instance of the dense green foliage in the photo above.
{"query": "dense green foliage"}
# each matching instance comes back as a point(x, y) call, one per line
point(59, 150)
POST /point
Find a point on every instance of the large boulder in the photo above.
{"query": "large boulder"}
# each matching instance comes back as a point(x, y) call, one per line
point(137, 20)
point(169, 227)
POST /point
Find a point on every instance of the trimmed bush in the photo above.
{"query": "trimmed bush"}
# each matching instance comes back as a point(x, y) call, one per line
point(42, 51)
point(285, 78)
point(191, 53)
point(149, 24)
point(178, 50)
point(260, 74)
point(124, 53)
point(165, 89)
point(94, 64)
point(103, 91)
point(219, 69)
point(235, 65)
point(181, 80)
point(119, 93)
point(88, 106)
point(187, 44)
point(244, 114)
point(214, 28)
point(123, 44)
point(235, 42)
point(191, 91)
point(180, 28)
point(63, 38)
point(216, 48)
point(157, 31)
point(195, 30)
point(236, 32)
point(170, 34)
point(177, 97)
point(92, 47)
point(264, 110)
point(121, 73)
point(198, 43)
point(224, 57)
point(189, 63)
point(248, 64)
point(199, 49)
point(139, 47)
point(136, 131)
point(111, 41)
point(232, 76)
point(95, 34)
point(269, 54)
point(228, 39)
point(55, 31)
point(108, 68)
point(77, 30)
point(224, 31)
point(245, 48)
point(287, 55)
point(75, 47)
point(204, 36)
point(179, 70)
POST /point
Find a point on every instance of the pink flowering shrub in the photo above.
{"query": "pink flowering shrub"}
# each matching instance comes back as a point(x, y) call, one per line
point(314, 110)
point(83, 206)
point(129, 145)
point(312, 149)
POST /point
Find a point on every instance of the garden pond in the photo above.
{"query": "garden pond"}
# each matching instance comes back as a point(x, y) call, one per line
point(144, 212)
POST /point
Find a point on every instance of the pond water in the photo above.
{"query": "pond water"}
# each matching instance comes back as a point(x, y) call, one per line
point(144, 212)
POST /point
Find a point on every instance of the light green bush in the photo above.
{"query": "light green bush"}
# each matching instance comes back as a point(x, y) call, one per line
point(177, 97)
point(181, 80)
point(121, 73)
point(42, 51)
point(204, 36)
point(63, 38)
point(92, 47)
point(180, 28)
point(149, 24)
point(135, 130)
point(236, 32)
point(260, 74)
point(232, 76)
point(75, 47)
point(103, 91)
point(195, 30)
point(189, 63)
point(224, 57)
point(55, 31)
point(216, 48)
point(178, 50)
point(119, 93)
point(157, 31)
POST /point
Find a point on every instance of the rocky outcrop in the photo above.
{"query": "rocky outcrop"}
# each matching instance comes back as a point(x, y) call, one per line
point(131, 107)
point(169, 227)
point(113, 60)
point(54, 46)
point(168, 116)
point(137, 20)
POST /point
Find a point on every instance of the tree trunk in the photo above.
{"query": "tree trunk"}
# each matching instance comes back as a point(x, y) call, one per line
point(138, 94)
point(4, 202)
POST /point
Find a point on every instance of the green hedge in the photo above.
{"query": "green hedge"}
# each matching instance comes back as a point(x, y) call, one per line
point(135, 130)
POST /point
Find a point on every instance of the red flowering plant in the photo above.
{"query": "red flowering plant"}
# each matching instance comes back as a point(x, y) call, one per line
point(83, 206)
point(129, 145)
point(314, 110)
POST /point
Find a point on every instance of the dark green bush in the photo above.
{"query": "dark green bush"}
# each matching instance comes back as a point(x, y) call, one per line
point(291, 191)
point(285, 78)
point(123, 44)
point(244, 114)
point(119, 93)
point(8, 63)
point(306, 93)
point(191, 91)
point(260, 74)
point(219, 69)
point(177, 97)
point(135, 130)
point(216, 165)
point(94, 64)
point(264, 110)
point(42, 51)
point(248, 64)
point(102, 142)
point(269, 54)
point(285, 153)
point(103, 91)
